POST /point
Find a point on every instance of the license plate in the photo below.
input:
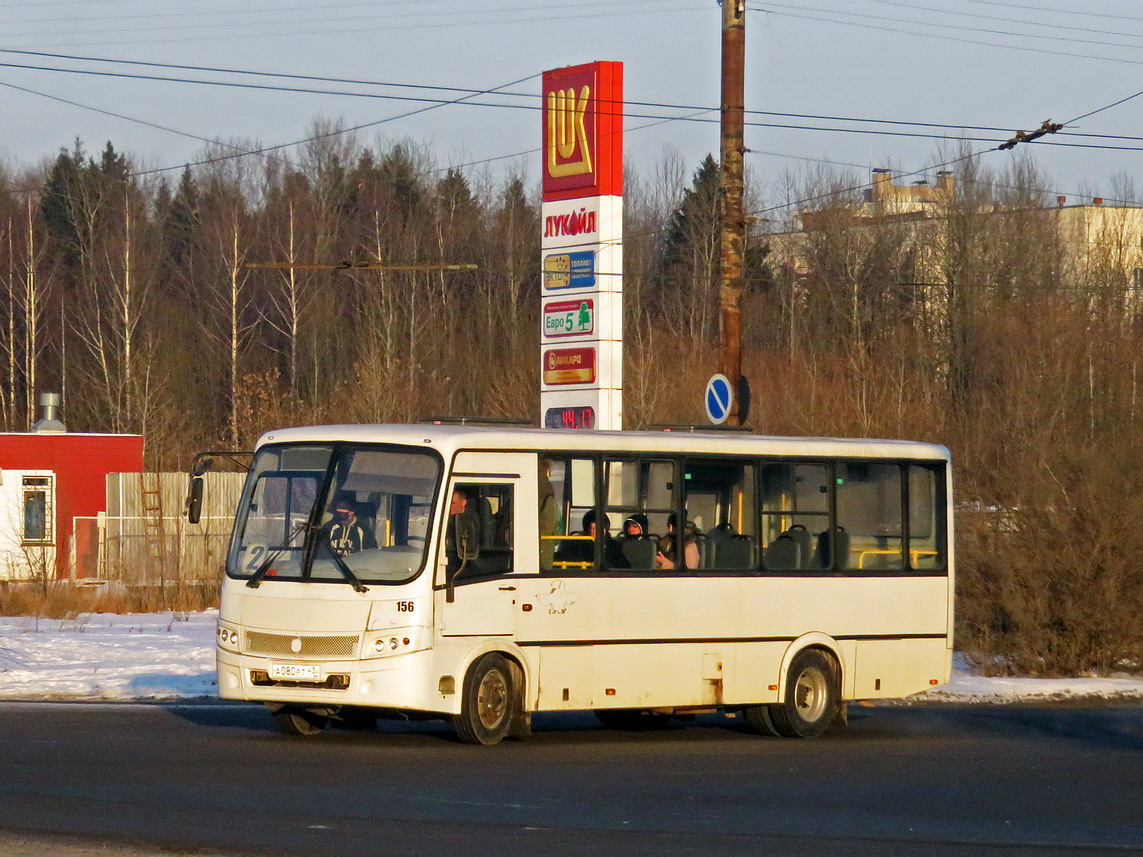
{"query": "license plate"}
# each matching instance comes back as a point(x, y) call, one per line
point(296, 672)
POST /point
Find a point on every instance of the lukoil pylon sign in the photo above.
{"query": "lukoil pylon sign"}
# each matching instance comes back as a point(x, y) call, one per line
point(581, 374)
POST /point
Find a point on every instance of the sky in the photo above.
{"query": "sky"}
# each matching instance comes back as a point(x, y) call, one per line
point(1004, 65)
point(154, 656)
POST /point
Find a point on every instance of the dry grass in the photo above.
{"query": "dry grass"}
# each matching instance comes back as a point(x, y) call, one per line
point(62, 600)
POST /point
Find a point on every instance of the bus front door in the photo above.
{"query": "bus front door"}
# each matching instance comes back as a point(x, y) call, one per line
point(477, 565)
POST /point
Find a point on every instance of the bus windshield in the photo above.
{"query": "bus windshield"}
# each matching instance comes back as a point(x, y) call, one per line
point(313, 512)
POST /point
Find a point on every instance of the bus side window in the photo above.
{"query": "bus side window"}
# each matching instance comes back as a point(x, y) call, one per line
point(486, 519)
point(571, 547)
point(720, 511)
point(869, 535)
point(926, 519)
point(640, 496)
point(794, 513)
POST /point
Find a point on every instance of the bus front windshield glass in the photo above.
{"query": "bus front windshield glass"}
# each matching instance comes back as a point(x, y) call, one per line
point(335, 513)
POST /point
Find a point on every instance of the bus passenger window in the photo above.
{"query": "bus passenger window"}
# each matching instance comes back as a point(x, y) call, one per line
point(571, 547)
point(720, 512)
point(640, 499)
point(795, 517)
point(869, 534)
point(926, 520)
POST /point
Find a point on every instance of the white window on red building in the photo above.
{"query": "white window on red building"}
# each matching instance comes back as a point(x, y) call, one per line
point(37, 507)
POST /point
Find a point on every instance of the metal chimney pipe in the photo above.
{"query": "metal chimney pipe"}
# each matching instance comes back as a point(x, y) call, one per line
point(50, 421)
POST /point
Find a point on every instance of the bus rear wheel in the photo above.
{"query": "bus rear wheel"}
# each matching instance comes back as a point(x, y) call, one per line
point(488, 702)
point(758, 716)
point(811, 699)
point(299, 721)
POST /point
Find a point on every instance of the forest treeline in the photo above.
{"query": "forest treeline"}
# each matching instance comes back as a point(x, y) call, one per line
point(983, 327)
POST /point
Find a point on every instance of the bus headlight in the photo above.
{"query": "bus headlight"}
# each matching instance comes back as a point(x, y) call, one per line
point(228, 638)
point(397, 642)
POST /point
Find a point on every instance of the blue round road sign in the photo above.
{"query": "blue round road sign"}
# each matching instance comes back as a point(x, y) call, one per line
point(718, 399)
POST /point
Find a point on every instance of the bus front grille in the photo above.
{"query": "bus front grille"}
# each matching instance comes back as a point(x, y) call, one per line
point(302, 645)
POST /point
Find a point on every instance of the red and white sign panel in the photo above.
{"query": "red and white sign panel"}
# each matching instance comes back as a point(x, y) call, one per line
point(583, 131)
point(569, 366)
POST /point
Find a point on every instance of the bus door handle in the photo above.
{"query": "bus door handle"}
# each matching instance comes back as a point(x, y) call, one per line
point(507, 588)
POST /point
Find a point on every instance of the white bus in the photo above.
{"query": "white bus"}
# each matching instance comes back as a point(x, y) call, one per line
point(485, 573)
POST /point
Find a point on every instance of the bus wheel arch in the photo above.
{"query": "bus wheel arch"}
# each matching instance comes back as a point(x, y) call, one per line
point(492, 700)
point(810, 693)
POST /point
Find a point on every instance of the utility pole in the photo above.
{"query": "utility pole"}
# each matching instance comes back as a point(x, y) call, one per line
point(732, 236)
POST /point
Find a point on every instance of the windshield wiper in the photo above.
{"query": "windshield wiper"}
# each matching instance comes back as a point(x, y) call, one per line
point(346, 572)
point(264, 568)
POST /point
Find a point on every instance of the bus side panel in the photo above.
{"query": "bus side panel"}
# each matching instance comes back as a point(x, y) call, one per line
point(566, 681)
point(645, 676)
point(894, 668)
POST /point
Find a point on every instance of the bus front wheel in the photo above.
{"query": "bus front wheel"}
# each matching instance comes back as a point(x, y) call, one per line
point(811, 699)
point(299, 721)
point(486, 707)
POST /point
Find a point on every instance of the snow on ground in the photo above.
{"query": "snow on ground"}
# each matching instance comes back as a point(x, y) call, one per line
point(109, 657)
point(153, 656)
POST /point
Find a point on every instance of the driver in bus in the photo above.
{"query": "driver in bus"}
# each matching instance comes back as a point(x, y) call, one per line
point(346, 533)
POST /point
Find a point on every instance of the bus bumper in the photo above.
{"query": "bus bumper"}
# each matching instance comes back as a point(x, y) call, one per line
point(400, 682)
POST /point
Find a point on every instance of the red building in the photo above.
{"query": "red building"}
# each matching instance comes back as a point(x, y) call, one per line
point(48, 478)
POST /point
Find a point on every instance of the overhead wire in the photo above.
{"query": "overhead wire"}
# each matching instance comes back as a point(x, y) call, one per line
point(431, 87)
point(473, 93)
point(959, 27)
point(1069, 27)
point(444, 88)
point(466, 99)
point(482, 19)
point(881, 28)
point(123, 116)
point(1085, 13)
point(341, 131)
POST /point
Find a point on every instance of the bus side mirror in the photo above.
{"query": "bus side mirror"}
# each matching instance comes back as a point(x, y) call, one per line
point(194, 499)
point(467, 534)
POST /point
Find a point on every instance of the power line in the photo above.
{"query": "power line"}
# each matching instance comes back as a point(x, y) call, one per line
point(959, 27)
point(482, 19)
point(340, 131)
point(126, 118)
point(1069, 27)
point(534, 97)
point(1085, 13)
point(1106, 107)
point(882, 28)
point(462, 100)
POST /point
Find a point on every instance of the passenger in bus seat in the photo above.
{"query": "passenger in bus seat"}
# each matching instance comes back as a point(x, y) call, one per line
point(635, 525)
point(583, 551)
point(668, 545)
point(637, 545)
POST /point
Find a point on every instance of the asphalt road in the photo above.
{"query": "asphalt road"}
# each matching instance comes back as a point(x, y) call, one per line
point(926, 780)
